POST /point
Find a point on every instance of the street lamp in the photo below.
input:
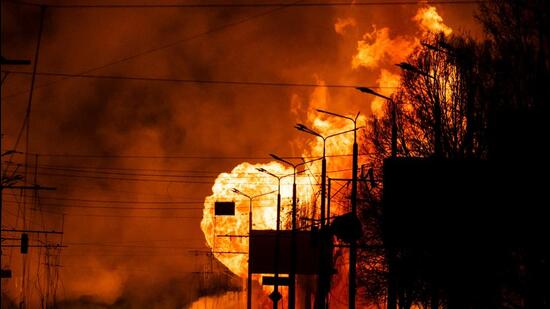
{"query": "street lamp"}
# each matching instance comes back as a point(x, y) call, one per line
point(393, 117)
point(276, 296)
point(322, 271)
point(292, 274)
point(353, 244)
point(411, 68)
point(305, 129)
point(249, 277)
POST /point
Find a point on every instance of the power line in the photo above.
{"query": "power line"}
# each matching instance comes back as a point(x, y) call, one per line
point(127, 216)
point(116, 201)
point(172, 44)
point(115, 207)
point(195, 202)
point(168, 176)
point(246, 5)
point(129, 169)
point(178, 156)
point(64, 175)
point(120, 216)
point(125, 246)
point(100, 170)
point(194, 81)
point(126, 241)
point(125, 178)
point(134, 208)
point(127, 174)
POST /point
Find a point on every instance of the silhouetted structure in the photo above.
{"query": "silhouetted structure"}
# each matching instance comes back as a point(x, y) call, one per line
point(466, 233)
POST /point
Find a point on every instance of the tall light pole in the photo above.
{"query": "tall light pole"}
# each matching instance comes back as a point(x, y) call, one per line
point(393, 117)
point(353, 244)
point(276, 295)
point(322, 271)
point(392, 284)
point(292, 274)
point(249, 277)
point(305, 129)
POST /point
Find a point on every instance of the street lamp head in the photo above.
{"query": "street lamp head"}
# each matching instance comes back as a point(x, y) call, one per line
point(276, 157)
point(374, 93)
point(330, 113)
point(411, 68)
point(261, 169)
point(300, 127)
point(304, 128)
point(337, 115)
point(234, 190)
point(367, 90)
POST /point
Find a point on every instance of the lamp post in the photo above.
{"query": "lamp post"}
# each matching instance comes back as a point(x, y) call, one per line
point(393, 117)
point(353, 244)
point(322, 271)
point(305, 129)
point(249, 277)
point(292, 274)
point(276, 296)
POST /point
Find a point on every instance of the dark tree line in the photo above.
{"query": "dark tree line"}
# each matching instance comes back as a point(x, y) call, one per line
point(467, 99)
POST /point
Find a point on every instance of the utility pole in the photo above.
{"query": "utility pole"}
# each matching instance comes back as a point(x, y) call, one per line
point(6, 273)
point(353, 245)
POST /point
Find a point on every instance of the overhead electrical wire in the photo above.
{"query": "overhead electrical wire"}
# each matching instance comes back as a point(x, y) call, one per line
point(115, 201)
point(168, 176)
point(179, 156)
point(134, 179)
point(228, 5)
point(114, 207)
point(171, 44)
point(277, 7)
point(194, 81)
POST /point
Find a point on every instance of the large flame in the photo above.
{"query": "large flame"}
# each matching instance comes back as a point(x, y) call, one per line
point(226, 235)
point(377, 47)
point(430, 21)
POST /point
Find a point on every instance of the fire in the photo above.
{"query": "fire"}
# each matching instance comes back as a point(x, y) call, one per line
point(430, 21)
point(378, 47)
point(387, 81)
point(245, 177)
point(226, 235)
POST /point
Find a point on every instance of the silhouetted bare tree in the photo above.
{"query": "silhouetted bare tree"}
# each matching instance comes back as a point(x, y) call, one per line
point(440, 110)
point(463, 99)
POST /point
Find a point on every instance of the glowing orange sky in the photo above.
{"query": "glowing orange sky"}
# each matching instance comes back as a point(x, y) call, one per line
point(87, 116)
